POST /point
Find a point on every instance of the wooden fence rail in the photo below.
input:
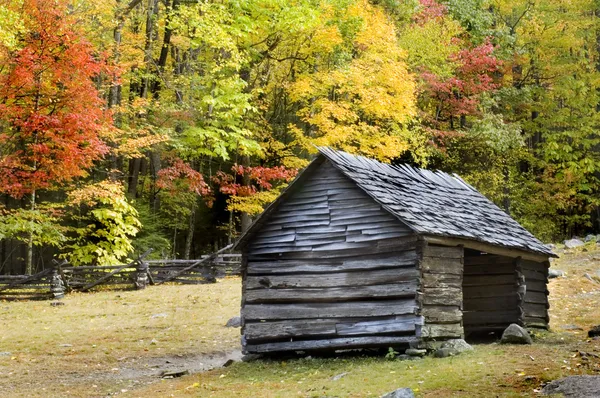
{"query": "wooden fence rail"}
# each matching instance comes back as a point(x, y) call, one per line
point(54, 282)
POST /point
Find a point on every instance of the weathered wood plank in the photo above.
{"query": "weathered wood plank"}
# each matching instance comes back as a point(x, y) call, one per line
point(475, 292)
point(340, 279)
point(443, 251)
point(400, 324)
point(358, 250)
point(535, 310)
point(488, 280)
point(339, 343)
point(353, 309)
point(495, 317)
point(507, 269)
point(394, 260)
point(509, 302)
point(536, 286)
point(436, 265)
point(534, 275)
point(260, 331)
point(331, 294)
point(490, 260)
point(441, 296)
point(429, 280)
point(536, 297)
point(441, 314)
point(536, 322)
point(540, 266)
point(450, 330)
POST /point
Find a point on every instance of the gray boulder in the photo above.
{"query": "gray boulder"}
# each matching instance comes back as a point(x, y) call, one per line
point(573, 243)
point(400, 393)
point(515, 334)
point(234, 322)
point(457, 344)
point(590, 238)
point(574, 386)
point(555, 273)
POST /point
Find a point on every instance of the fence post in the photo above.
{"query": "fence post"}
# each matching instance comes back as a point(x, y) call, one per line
point(141, 277)
point(57, 286)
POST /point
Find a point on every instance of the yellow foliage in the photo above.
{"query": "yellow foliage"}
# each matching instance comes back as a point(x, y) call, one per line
point(358, 106)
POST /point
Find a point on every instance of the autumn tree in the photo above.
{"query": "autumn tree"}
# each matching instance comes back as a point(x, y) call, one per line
point(51, 115)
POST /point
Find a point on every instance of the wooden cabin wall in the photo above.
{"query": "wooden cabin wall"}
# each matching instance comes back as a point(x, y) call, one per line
point(329, 269)
point(440, 292)
point(490, 292)
point(536, 303)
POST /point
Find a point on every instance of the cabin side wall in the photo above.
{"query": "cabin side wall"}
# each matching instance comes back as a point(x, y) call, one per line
point(536, 305)
point(329, 269)
point(491, 292)
point(440, 292)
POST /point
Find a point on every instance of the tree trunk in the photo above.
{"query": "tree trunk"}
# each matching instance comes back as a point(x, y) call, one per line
point(150, 18)
point(134, 176)
point(29, 258)
point(190, 233)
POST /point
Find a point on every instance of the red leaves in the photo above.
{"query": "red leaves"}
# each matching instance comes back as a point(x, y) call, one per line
point(260, 178)
point(180, 176)
point(49, 106)
point(459, 94)
point(431, 10)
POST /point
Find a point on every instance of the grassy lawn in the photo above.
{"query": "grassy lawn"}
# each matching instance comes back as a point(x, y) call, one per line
point(117, 342)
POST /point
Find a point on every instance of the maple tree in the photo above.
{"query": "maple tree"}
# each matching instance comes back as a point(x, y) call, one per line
point(51, 114)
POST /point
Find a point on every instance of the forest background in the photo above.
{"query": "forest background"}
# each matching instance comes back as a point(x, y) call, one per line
point(130, 124)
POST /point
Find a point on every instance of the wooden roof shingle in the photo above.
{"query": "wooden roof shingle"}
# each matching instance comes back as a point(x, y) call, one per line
point(434, 203)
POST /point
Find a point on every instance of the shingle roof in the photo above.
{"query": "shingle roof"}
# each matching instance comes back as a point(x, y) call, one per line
point(434, 203)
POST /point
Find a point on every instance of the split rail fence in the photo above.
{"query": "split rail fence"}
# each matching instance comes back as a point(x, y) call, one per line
point(61, 278)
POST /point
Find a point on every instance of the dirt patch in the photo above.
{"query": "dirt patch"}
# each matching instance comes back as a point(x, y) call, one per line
point(575, 386)
point(141, 368)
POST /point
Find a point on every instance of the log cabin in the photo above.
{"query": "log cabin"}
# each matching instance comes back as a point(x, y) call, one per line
point(356, 253)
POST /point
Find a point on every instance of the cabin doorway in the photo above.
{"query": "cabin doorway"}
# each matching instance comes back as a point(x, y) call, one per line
point(490, 294)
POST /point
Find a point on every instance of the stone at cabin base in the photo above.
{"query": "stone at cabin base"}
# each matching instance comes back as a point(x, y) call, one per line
point(515, 334)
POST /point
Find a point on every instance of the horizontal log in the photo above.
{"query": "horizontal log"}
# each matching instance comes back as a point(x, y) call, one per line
point(507, 269)
point(443, 251)
point(348, 250)
point(490, 317)
point(536, 322)
point(486, 247)
point(328, 310)
point(436, 265)
point(489, 280)
point(490, 260)
point(450, 330)
point(508, 302)
point(338, 343)
point(429, 280)
point(441, 314)
point(441, 296)
point(536, 286)
point(540, 266)
point(331, 294)
point(535, 310)
point(402, 324)
point(473, 292)
point(340, 279)
point(390, 260)
point(536, 297)
point(262, 331)
point(534, 275)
